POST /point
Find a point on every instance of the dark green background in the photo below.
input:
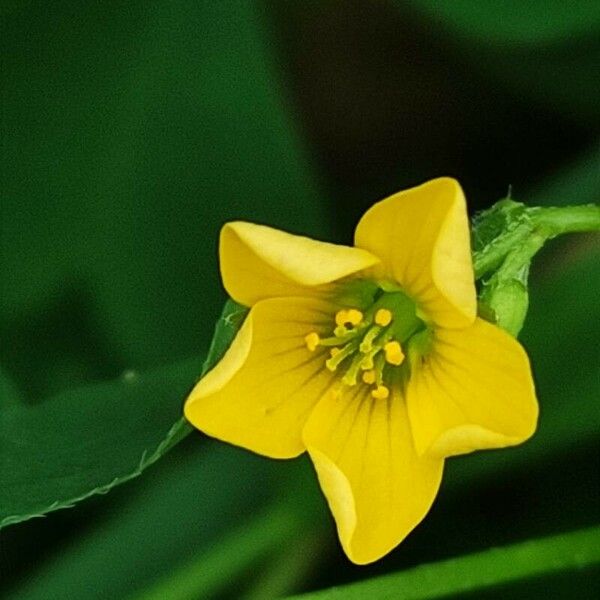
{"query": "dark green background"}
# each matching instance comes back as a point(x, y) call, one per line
point(132, 130)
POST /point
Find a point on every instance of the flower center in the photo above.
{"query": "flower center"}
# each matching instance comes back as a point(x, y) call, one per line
point(368, 342)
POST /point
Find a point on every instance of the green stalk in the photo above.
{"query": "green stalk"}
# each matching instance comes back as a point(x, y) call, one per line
point(506, 238)
point(519, 226)
point(566, 219)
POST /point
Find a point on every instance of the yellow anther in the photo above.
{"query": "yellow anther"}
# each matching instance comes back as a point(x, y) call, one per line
point(354, 317)
point(351, 316)
point(334, 351)
point(383, 317)
point(340, 317)
point(369, 377)
point(380, 392)
point(312, 341)
point(393, 353)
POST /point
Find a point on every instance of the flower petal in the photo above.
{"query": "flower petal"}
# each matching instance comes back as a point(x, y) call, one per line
point(474, 391)
point(259, 262)
point(262, 391)
point(421, 236)
point(378, 489)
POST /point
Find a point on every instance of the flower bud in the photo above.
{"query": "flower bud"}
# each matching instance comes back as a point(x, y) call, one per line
point(508, 300)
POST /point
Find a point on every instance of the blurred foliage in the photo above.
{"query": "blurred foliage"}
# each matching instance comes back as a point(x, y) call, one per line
point(489, 568)
point(131, 132)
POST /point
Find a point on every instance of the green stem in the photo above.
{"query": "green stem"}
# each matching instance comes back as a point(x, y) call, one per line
point(566, 219)
point(492, 255)
point(544, 223)
point(507, 237)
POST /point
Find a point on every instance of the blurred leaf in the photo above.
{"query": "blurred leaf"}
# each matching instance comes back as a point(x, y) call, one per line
point(87, 441)
point(513, 22)
point(212, 570)
point(131, 132)
point(9, 394)
point(540, 50)
point(558, 78)
point(575, 183)
point(477, 571)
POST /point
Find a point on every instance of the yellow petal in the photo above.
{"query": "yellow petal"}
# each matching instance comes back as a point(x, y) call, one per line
point(378, 489)
point(262, 391)
point(474, 391)
point(422, 237)
point(259, 262)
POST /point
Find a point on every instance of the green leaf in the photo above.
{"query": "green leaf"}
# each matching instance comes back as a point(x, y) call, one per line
point(87, 441)
point(229, 322)
point(476, 572)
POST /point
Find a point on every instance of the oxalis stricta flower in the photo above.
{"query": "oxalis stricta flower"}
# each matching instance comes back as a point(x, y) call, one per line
point(370, 358)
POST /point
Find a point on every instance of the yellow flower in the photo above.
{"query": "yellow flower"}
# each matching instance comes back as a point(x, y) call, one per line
point(371, 358)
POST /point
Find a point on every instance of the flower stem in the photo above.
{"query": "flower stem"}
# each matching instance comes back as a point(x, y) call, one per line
point(505, 239)
point(517, 223)
point(566, 219)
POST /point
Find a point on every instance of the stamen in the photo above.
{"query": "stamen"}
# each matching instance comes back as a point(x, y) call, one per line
point(366, 346)
point(312, 341)
point(383, 317)
point(333, 362)
point(352, 373)
point(369, 377)
point(380, 392)
point(341, 331)
point(367, 342)
point(367, 361)
point(379, 365)
point(393, 353)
